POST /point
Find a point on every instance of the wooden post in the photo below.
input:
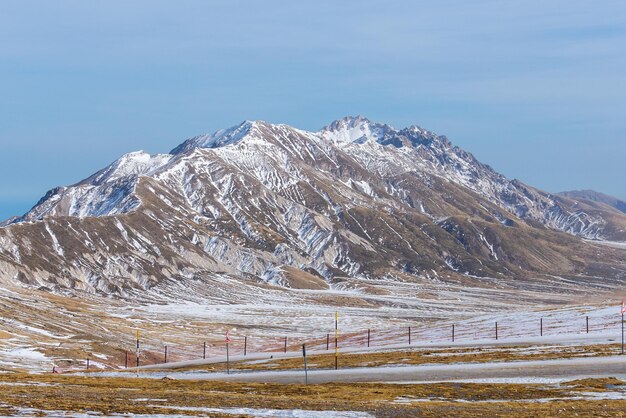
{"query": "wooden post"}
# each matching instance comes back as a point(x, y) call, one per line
point(496, 330)
point(87, 363)
point(285, 350)
point(126, 359)
point(336, 339)
point(165, 355)
point(137, 360)
point(368, 337)
point(306, 373)
point(204, 350)
point(587, 321)
point(452, 332)
point(409, 335)
point(327, 341)
point(227, 360)
point(245, 345)
point(622, 333)
point(541, 327)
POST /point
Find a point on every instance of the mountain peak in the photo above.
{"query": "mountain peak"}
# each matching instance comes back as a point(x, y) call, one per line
point(133, 163)
point(349, 121)
point(220, 138)
point(354, 129)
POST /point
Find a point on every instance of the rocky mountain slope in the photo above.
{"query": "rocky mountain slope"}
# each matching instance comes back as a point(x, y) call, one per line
point(287, 207)
point(593, 196)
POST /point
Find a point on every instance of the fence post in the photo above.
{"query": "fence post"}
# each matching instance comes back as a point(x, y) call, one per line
point(587, 324)
point(368, 337)
point(204, 350)
point(306, 373)
point(245, 345)
point(126, 359)
point(409, 335)
point(452, 332)
point(496, 330)
point(541, 326)
point(165, 355)
point(137, 360)
point(87, 363)
point(336, 339)
point(327, 341)
point(622, 332)
point(285, 350)
point(227, 360)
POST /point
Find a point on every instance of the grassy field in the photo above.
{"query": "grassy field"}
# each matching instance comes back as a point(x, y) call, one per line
point(79, 394)
point(58, 394)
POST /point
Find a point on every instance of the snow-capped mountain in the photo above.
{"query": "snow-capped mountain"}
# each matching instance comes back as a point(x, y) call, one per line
point(299, 208)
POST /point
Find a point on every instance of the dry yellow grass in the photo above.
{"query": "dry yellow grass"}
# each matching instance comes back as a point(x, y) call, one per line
point(145, 396)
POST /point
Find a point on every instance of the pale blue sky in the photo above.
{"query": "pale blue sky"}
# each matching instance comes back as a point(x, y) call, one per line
point(534, 88)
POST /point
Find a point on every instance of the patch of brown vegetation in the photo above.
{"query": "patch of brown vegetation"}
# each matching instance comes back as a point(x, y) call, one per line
point(596, 384)
point(300, 279)
point(128, 395)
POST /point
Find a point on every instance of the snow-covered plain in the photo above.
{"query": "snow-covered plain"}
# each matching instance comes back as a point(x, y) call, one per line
point(186, 316)
point(310, 325)
point(278, 413)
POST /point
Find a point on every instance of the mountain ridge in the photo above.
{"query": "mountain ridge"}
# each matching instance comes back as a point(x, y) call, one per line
point(595, 196)
point(355, 199)
point(345, 132)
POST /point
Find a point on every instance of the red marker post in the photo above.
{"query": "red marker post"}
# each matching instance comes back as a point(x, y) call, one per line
point(227, 340)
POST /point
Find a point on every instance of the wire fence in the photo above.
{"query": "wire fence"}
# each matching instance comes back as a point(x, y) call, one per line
point(540, 329)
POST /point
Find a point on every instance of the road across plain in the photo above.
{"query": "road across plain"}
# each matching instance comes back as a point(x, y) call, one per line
point(564, 339)
point(526, 371)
